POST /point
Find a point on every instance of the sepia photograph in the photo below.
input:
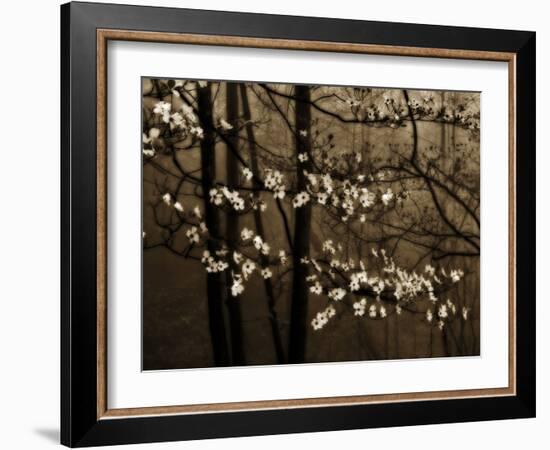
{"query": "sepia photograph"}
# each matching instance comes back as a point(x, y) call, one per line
point(289, 223)
point(271, 225)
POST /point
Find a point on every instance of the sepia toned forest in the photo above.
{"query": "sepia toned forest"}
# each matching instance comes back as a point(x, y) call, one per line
point(289, 224)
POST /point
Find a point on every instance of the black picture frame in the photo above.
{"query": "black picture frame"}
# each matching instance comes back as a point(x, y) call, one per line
point(80, 425)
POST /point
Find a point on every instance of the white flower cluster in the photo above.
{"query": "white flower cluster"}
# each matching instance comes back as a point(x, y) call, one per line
point(456, 275)
point(367, 198)
point(328, 247)
point(322, 318)
point(387, 197)
point(361, 277)
point(247, 173)
point(337, 294)
point(446, 312)
point(260, 245)
point(392, 111)
point(193, 235)
point(360, 307)
point(244, 266)
point(354, 199)
point(163, 109)
point(266, 273)
point(237, 287)
point(246, 234)
point(224, 194)
point(247, 268)
point(316, 288)
point(150, 138)
point(184, 120)
point(394, 283)
point(274, 181)
point(213, 265)
point(225, 125)
point(301, 199)
point(167, 198)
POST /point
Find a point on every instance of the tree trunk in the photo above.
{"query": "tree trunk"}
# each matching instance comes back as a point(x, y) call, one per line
point(214, 281)
point(268, 286)
point(232, 225)
point(302, 224)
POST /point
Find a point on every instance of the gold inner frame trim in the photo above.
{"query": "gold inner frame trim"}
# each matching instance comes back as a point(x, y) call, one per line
point(103, 36)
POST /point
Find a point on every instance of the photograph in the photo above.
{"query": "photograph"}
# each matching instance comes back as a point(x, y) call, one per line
point(292, 223)
point(275, 225)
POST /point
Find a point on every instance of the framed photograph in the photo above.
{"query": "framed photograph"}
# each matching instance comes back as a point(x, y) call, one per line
point(276, 224)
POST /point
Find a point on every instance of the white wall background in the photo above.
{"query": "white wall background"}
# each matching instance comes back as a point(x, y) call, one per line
point(29, 223)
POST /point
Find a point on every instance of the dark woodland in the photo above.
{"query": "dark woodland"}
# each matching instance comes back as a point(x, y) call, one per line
point(288, 224)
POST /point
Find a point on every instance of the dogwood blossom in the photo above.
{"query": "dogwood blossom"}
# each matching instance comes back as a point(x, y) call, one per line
point(274, 181)
point(317, 288)
point(248, 268)
point(456, 275)
point(279, 193)
point(247, 173)
point(153, 133)
point(237, 257)
point(216, 196)
point(367, 198)
point(322, 317)
point(301, 199)
point(429, 315)
point(237, 287)
point(176, 120)
point(163, 109)
point(387, 197)
point(337, 294)
point(360, 307)
point(246, 234)
point(372, 311)
point(225, 125)
point(328, 246)
point(257, 241)
point(266, 273)
point(197, 131)
point(192, 235)
point(322, 198)
point(212, 265)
